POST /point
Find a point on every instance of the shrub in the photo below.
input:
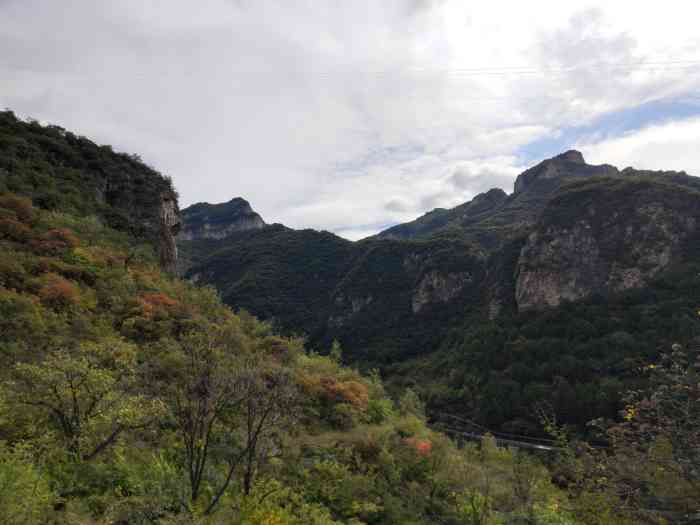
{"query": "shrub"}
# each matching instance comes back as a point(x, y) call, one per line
point(14, 230)
point(26, 497)
point(352, 392)
point(21, 206)
point(153, 303)
point(55, 242)
point(58, 292)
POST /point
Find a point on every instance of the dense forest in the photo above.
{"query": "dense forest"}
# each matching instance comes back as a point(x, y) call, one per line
point(130, 396)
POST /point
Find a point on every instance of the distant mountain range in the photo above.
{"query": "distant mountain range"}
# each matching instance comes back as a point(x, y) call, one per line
point(571, 235)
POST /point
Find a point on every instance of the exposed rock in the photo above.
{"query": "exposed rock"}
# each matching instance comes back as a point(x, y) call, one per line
point(567, 165)
point(623, 236)
point(348, 306)
point(438, 287)
point(170, 224)
point(218, 221)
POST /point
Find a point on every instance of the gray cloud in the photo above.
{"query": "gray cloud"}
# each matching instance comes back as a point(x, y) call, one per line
point(318, 113)
point(484, 179)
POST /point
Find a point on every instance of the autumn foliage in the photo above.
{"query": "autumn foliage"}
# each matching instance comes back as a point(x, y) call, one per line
point(55, 241)
point(352, 392)
point(422, 447)
point(20, 206)
point(58, 292)
point(157, 302)
point(14, 230)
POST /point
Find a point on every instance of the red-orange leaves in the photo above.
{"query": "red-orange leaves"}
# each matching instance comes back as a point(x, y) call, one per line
point(157, 302)
point(422, 447)
point(58, 292)
point(55, 241)
point(352, 392)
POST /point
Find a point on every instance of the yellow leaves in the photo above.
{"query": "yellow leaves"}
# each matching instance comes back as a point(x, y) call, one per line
point(630, 412)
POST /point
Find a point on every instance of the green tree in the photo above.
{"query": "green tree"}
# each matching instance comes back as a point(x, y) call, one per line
point(26, 497)
point(88, 396)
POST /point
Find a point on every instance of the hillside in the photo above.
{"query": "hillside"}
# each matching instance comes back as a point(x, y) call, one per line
point(60, 170)
point(130, 396)
point(608, 257)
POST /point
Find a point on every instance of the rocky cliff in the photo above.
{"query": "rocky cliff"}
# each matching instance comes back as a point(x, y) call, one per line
point(170, 224)
point(217, 221)
point(606, 236)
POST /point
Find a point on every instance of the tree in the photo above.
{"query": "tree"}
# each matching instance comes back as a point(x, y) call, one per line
point(656, 464)
point(86, 395)
point(204, 389)
point(270, 400)
point(230, 403)
point(25, 493)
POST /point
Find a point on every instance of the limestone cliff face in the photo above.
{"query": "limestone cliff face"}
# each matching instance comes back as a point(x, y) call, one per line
point(436, 287)
point(605, 237)
point(170, 224)
point(218, 221)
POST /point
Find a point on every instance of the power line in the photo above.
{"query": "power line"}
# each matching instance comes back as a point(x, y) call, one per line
point(648, 66)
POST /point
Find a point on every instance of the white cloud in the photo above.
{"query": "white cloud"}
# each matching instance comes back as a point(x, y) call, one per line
point(342, 116)
point(667, 146)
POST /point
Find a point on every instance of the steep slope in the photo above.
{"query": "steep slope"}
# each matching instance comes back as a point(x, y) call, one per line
point(605, 236)
point(62, 171)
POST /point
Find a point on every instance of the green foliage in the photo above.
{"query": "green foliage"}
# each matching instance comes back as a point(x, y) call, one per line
point(26, 497)
point(64, 172)
point(128, 396)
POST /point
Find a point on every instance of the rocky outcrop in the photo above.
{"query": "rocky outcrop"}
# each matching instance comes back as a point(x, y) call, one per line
point(170, 224)
point(603, 238)
point(436, 287)
point(568, 165)
point(218, 221)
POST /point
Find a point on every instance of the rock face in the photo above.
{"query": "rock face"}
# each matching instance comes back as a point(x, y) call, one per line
point(605, 237)
point(568, 165)
point(170, 224)
point(218, 221)
point(437, 287)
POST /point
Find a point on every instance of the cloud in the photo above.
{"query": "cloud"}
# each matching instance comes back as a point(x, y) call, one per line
point(666, 146)
point(486, 178)
point(342, 116)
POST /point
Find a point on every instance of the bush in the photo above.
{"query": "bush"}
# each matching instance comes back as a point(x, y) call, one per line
point(58, 292)
point(21, 206)
point(26, 497)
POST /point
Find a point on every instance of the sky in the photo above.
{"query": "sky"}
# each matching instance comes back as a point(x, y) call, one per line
point(352, 116)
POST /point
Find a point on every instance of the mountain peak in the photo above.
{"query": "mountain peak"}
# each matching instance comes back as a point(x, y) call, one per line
point(571, 156)
point(569, 164)
point(216, 221)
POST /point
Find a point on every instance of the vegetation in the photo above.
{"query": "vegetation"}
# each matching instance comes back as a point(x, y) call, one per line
point(63, 171)
point(132, 397)
point(129, 396)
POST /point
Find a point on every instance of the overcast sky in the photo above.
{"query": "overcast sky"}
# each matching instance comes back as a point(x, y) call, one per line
point(354, 115)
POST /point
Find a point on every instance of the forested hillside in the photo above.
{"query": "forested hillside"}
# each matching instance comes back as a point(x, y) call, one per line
point(552, 295)
point(130, 396)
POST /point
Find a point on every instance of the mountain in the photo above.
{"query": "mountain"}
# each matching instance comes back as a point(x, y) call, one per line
point(216, 221)
point(494, 216)
point(572, 239)
point(132, 396)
